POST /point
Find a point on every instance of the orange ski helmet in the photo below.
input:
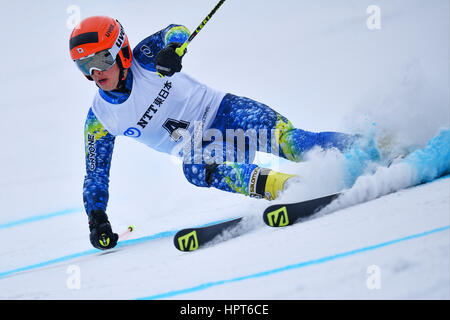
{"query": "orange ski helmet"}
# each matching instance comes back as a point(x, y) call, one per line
point(99, 34)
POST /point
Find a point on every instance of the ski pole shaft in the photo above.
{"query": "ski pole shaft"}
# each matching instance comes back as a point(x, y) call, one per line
point(125, 234)
point(181, 49)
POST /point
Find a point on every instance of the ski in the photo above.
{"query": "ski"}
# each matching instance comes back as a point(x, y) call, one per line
point(421, 166)
point(281, 215)
point(191, 239)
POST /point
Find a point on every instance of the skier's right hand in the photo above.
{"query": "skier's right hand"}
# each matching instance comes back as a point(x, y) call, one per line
point(102, 236)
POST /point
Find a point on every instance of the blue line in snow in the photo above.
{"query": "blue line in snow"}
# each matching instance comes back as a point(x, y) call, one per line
point(299, 265)
point(160, 235)
point(38, 218)
point(86, 253)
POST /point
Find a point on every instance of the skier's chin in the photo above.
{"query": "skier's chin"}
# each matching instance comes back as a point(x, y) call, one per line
point(106, 84)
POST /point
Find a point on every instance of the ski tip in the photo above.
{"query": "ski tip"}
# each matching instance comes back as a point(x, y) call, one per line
point(193, 238)
point(186, 240)
point(282, 215)
point(276, 216)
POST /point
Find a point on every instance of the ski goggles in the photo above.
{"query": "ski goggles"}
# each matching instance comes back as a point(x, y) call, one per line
point(100, 61)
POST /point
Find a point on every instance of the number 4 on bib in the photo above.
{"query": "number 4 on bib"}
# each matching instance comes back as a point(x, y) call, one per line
point(172, 125)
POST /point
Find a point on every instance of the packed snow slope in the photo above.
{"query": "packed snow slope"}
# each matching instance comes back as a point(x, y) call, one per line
point(319, 64)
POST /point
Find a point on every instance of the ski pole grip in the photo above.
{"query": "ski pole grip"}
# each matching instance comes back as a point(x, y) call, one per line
point(180, 50)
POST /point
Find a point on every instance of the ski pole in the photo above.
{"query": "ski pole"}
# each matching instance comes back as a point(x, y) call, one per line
point(181, 49)
point(125, 235)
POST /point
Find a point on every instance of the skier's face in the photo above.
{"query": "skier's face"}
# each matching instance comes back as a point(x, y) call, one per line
point(107, 80)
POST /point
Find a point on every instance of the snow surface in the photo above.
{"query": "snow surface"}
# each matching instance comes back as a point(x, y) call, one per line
point(315, 62)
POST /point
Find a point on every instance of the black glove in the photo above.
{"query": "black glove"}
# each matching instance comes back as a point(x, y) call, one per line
point(167, 61)
point(102, 236)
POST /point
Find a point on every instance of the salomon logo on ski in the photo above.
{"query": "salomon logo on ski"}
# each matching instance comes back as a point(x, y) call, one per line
point(193, 238)
point(281, 215)
point(278, 218)
point(188, 242)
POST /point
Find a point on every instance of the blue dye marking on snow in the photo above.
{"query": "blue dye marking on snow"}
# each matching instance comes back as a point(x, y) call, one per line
point(433, 160)
point(357, 159)
point(87, 253)
point(47, 263)
point(164, 234)
point(293, 266)
point(38, 218)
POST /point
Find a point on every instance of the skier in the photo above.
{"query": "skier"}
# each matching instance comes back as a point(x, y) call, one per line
point(142, 94)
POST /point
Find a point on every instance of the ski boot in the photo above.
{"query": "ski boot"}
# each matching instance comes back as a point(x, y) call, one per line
point(268, 184)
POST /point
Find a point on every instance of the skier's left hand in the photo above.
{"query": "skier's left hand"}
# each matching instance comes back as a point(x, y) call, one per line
point(167, 61)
